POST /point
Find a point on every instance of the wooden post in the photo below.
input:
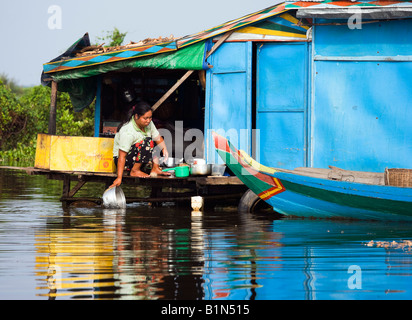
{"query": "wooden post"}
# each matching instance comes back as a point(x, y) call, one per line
point(172, 89)
point(219, 42)
point(66, 190)
point(53, 102)
point(97, 109)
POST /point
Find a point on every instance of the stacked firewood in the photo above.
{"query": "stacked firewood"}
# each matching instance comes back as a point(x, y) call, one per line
point(98, 49)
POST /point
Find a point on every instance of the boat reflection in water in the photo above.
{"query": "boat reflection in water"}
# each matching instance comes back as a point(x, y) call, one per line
point(167, 253)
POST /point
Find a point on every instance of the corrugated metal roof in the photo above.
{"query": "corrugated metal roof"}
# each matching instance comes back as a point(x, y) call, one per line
point(232, 25)
point(341, 9)
point(303, 4)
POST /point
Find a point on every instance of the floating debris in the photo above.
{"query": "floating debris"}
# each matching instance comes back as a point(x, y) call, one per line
point(405, 245)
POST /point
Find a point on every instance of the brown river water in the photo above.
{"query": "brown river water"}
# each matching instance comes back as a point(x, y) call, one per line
point(167, 253)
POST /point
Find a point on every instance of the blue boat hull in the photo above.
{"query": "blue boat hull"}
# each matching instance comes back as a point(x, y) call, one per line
point(304, 196)
point(321, 198)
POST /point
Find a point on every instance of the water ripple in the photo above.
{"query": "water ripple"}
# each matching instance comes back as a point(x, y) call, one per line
point(47, 252)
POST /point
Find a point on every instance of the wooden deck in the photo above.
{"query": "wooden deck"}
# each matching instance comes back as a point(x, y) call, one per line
point(215, 190)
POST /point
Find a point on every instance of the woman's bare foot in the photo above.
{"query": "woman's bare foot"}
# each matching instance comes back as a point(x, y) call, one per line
point(138, 173)
point(158, 172)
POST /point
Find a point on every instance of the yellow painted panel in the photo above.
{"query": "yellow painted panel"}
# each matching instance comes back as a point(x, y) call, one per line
point(65, 153)
point(278, 33)
point(42, 159)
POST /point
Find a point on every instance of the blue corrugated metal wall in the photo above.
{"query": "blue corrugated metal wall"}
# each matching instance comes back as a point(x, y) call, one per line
point(362, 98)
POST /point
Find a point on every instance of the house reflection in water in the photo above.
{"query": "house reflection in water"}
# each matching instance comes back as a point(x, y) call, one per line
point(169, 254)
point(92, 258)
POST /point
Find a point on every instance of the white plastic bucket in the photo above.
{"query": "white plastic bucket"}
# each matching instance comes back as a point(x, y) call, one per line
point(197, 203)
point(114, 198)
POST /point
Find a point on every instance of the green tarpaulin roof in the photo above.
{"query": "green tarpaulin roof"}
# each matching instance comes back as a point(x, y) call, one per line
point(81, 83)
point(189, 58)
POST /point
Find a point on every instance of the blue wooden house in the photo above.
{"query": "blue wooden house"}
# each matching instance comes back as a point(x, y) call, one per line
point(359, 110)
point(306, 83)
point(342, 96)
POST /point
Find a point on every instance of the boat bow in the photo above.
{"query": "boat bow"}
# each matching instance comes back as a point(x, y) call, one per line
point(255, 176)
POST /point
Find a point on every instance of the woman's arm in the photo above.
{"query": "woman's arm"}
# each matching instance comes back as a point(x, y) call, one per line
point(120, 168)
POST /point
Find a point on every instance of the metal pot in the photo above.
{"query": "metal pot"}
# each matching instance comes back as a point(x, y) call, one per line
point(170, 162)
point(114, 198)
point(200, 169)
point(193, 161)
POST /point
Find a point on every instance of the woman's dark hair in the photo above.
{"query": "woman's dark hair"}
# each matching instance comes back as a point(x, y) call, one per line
point(139, 108)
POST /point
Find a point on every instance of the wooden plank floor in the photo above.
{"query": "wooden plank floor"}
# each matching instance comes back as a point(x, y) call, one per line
point(203, 180)
point(211, 187)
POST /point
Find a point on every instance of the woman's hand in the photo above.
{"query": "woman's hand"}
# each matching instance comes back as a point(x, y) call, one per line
point(116, 182)
point(120, 168)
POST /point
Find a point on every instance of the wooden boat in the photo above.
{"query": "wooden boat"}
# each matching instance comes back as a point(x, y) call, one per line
point(319, 193)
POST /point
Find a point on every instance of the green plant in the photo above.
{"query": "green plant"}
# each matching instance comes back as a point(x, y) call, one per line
point(21, 119)
point(113, 38)
point(12, 85)
point(12, 118)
